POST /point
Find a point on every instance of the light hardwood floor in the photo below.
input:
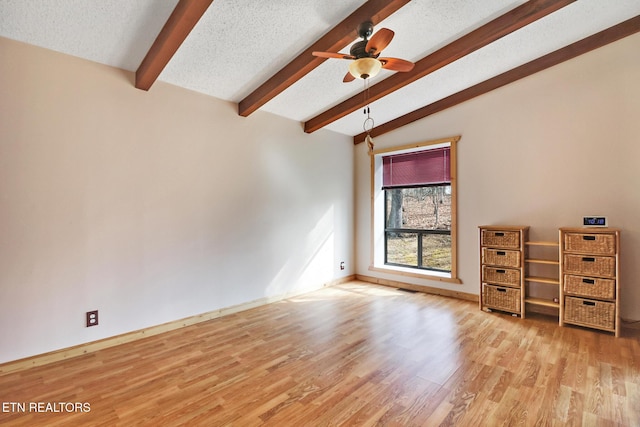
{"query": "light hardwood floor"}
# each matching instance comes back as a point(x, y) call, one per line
point(353, 354)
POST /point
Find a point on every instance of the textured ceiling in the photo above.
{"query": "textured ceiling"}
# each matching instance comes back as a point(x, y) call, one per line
point(238, 45)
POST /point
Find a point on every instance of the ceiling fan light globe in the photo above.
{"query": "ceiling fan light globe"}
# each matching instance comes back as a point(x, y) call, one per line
point(365, 68)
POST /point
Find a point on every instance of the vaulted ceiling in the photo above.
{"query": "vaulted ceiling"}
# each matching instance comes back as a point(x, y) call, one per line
point(258, 53)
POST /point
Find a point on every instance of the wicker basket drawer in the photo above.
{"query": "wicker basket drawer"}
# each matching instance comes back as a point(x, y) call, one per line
point(500, 239)
point(501, 297)
point(587, 312)
point(501, 276)
point(597, 244)
point(601, 266)
point(590, 286)
point(500, 257)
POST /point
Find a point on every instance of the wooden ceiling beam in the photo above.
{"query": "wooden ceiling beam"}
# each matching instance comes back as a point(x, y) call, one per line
point(571, 51)
point(184, 17)
point(337, 38)
point(507, 23)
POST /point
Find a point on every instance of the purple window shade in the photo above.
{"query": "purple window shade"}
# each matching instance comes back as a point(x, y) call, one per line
point(427, 167)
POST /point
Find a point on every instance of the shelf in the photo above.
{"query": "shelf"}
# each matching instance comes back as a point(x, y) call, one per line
point(542, 280)
point(540, 301)
point(540, 243)
point(542, 261)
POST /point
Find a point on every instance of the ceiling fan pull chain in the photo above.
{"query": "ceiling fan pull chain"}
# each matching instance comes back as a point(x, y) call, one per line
point(366, 98)
point(367, 110)
point(368, 124)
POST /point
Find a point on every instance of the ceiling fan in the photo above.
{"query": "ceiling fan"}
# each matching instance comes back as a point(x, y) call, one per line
point(364, 54)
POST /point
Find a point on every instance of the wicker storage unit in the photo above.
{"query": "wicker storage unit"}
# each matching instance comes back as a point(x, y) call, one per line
point(503, 298)
point(502, 268)
point(591, 277)
point(592, 287)
point(591, 313)
point(502, 276)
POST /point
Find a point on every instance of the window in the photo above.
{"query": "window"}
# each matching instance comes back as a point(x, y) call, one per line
point(414, 209)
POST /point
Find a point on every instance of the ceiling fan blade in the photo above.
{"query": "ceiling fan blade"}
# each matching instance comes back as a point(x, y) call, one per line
point(379, 41)
point(396, 64)
point(348, 78)
point(333, 55)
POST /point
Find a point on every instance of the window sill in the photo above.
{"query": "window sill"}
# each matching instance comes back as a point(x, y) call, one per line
point(411, 272)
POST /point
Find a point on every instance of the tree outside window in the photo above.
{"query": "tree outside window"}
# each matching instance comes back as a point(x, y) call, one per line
point(418, 227)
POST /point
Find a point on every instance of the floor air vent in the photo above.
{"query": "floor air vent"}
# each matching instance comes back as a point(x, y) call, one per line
point(411, 291)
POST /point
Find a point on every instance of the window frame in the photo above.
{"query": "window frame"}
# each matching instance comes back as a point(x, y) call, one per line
point(377, 233)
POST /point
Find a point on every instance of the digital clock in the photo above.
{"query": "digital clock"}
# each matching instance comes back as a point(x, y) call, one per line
point(594, 221)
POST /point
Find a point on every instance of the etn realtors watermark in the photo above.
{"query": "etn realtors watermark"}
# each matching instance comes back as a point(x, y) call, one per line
point(46, 407)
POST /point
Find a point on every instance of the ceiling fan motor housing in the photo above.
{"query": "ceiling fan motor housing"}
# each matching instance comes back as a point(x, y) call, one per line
point(359, 49)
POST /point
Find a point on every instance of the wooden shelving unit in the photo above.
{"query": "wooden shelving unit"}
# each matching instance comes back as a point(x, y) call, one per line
point(576, 278)
point(543, 290)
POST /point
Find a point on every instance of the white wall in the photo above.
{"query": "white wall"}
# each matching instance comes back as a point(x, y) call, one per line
point(543, 152)
point(152, 206)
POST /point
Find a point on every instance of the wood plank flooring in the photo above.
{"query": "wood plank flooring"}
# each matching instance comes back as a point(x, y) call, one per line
point(351, 355)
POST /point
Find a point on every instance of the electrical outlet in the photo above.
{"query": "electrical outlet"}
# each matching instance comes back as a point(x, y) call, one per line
point(92, 318)
point(342, 265)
